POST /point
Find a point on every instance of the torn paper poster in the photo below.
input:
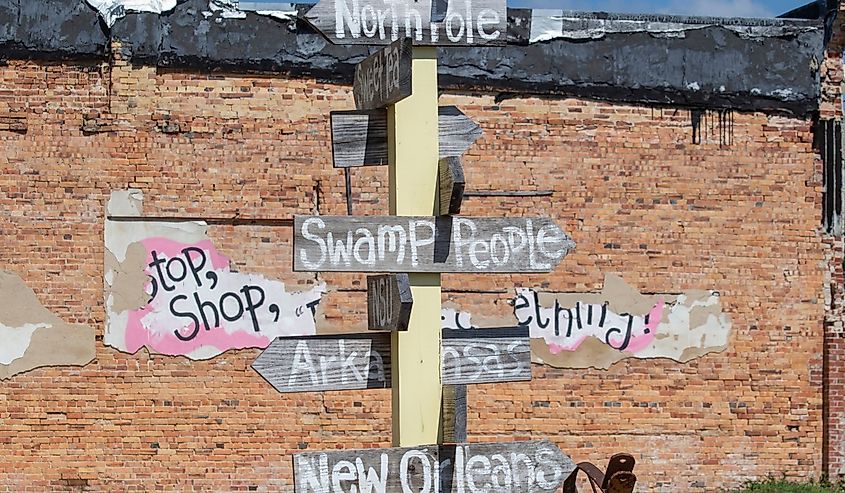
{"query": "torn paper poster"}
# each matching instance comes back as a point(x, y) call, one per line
point(33, 336)
point(169, 289)
point(582, 330)
point(234, 9)
point(111, 10)
point(579, 330)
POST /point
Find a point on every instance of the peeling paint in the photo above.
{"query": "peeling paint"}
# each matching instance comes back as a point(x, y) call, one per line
point(112, 10)
point(549, 24)
point(167, 288)
point(580, 330)
point(33, 336)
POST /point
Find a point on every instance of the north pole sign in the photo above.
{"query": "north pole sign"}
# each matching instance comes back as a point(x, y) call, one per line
point(427, 22)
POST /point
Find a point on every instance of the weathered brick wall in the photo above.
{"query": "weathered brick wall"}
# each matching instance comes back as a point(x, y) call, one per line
point(636, 195)
point(834, 369)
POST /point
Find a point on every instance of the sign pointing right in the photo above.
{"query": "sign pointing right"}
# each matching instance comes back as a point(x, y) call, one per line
point(536, 466)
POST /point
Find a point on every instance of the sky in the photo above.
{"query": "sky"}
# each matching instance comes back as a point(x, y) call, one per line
point(718, 8)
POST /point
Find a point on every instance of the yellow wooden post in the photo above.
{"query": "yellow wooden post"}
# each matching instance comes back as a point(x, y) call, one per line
point(413, 156)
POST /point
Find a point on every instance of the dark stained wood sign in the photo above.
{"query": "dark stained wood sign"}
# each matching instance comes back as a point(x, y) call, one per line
point(536, 466)
point(389, 302)
point(451, 184)
point(485, 355)
point(380, 22)
point(359, 137)
point(329, 362)
point(427, 244)
point(384, 78)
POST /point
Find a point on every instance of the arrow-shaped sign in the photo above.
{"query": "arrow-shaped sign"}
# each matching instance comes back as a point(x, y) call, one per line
point(384, 77)
point(363, 361)
point(330, 362)
point(535, 466)
point(427, 244)
point(359, 137)
point(380, 22)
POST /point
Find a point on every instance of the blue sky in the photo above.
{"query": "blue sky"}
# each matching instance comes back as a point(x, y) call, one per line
point(722, 8)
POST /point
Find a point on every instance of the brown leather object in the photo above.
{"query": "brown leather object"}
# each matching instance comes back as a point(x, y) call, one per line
point(619, 477)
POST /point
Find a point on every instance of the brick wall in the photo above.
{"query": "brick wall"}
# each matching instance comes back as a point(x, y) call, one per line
point(636, 195)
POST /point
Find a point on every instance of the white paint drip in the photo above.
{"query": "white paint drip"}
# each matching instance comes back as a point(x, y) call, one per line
point(16, 341)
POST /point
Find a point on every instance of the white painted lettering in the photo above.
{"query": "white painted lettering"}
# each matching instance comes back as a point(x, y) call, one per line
point(302, 362)
point(339, 475)
point(303, 256)
point(404, 472)
point(343, 16)
point(369, 479)
point(306, 472)
point(488, 17)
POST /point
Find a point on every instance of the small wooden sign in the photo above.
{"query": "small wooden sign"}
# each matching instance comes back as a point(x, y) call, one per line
point(427, 244)
point(453, 414)
point(451, 184)
point(485, 355)
point(384, 78)
point(389, 302)
point(328, 362)
point(428, 22)
point(359, 137)
point(536, 466)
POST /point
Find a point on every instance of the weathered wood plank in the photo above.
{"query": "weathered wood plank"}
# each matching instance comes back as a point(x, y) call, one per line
point(381, 470)
point(359, 137)
point(536, 466)
point(485, 356)
point(427, 244)
point(329, 362)
point(453, 414)
point(389, 302)
point(384, 78)
point(452, 184)
point(428, 22)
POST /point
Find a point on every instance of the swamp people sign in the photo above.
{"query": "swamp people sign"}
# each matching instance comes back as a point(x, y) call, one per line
point(427, 244)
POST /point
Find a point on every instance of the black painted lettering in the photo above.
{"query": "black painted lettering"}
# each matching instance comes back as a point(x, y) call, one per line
point(195, 268)
point(157, 264)
point(181, 314)
point(201, 306)
point(252, 304)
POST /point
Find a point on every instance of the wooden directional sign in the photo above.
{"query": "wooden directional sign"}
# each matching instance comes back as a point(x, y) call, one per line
point(330, 362)
point(536, 466)
point(427, 244)
point(359, 137)
point(485, 355)
point(428, 22)
point(366, 470)
point(451, 183)
point(385, 77)
point(389, 302)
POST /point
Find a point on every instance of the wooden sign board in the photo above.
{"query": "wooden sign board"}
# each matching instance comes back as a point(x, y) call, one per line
point(536, 466)
point(380, 470)
point(330, 362)
point(451, 184)
point(384, 78)
point(359, 137)
point(485, 355)
point(427, 244)
point(389, 302)
point(380, 22)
